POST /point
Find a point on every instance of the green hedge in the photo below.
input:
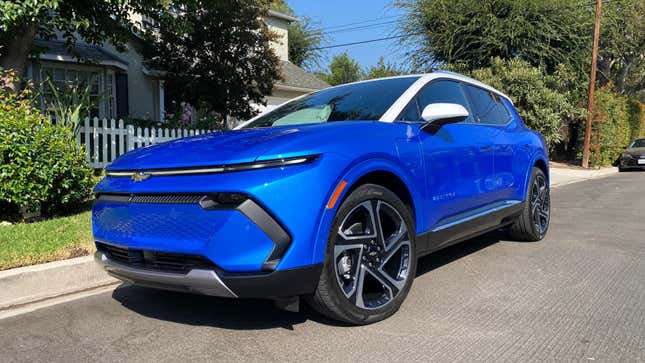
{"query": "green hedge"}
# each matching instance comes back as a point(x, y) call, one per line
point(41, 170)
point(636, 117)
point(617, 120)
point(545, 101)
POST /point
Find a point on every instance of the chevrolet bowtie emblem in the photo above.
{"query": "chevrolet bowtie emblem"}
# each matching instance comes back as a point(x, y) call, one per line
point(137, 177)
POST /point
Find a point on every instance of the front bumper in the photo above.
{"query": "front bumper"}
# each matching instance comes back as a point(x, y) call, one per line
point(632, 163)
point(214, 282)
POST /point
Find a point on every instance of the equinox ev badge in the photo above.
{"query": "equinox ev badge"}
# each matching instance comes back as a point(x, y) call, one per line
point(140, 176)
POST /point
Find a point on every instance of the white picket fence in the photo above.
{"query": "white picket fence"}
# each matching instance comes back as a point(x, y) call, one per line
point(104, 140)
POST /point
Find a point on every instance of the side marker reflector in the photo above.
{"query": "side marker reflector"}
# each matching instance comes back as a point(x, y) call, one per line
point(337, 192)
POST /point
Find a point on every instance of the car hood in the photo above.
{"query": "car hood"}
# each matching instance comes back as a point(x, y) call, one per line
point(238, 146)
point(635, 151)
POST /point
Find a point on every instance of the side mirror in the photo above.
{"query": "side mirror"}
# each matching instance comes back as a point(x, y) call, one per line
point(439, 114)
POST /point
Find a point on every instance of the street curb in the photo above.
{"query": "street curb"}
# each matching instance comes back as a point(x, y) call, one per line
point(30, 284)
point(589, 175)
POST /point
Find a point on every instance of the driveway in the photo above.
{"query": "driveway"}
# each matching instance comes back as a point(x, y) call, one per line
point(578, 295)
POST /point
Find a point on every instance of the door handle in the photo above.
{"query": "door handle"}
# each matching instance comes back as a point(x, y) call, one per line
point(485, 148)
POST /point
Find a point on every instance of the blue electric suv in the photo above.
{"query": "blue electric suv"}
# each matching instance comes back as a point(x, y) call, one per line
point(332, 196)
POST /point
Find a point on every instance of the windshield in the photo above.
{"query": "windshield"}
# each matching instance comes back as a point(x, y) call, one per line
point(638, 143)
point(358, 101)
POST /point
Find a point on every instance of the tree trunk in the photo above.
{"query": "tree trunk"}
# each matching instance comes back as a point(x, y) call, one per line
point(621, 80)
point(16, 49)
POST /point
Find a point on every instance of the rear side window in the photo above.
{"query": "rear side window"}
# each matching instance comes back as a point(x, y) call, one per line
point(504, 113)
point(487, 106)
point(436, 92)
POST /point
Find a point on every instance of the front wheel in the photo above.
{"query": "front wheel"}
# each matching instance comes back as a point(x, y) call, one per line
point(370, 260)
point(533, 223)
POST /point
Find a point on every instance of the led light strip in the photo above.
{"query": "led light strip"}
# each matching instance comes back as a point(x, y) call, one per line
point(216, 169)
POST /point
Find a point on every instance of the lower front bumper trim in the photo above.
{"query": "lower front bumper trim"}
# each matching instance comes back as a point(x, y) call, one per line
point(205, 282)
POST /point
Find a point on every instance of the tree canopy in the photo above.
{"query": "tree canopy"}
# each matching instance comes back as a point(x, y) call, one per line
point(472, 32)
point(342, 69)
point(621, 59)
point(382, 69)
point(95, 21)
point(543, 100)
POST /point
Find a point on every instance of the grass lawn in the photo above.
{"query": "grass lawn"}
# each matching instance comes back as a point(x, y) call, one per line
point(54, 239)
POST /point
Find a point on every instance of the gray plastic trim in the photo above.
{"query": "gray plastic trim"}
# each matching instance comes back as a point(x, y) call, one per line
point(268, 225)
point(206, 282)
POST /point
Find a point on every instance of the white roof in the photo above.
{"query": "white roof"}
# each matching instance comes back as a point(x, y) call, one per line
point(393, 112)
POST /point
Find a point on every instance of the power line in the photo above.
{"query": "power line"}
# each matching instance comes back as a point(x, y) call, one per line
point(367, 41)
point(357, 28)
point(324, 29)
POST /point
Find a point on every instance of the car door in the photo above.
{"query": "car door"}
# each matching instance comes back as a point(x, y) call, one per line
point(509, 151)
point(458, 158)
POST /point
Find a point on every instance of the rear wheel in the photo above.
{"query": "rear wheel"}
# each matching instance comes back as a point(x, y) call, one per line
point(370, 259)
point(533, 223)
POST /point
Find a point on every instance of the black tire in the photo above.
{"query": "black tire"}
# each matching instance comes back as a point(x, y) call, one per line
point(529, 226)
point(341, 275)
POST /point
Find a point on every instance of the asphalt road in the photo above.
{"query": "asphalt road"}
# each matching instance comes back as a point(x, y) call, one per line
point(579, 295)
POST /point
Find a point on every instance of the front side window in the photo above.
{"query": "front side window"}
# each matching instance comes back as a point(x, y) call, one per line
point(441, 91)
point(366, 101)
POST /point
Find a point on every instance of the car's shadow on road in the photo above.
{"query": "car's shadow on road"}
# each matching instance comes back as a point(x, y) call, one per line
point(235, 314)
point(447, 255)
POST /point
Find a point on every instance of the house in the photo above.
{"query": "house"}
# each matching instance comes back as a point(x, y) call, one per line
point(122, 86)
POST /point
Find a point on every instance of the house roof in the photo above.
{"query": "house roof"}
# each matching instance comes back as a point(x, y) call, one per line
point(296, 78)
point(57, 51)
point(283, 16)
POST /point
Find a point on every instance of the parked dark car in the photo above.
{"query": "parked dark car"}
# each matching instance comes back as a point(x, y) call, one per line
point(634, 156)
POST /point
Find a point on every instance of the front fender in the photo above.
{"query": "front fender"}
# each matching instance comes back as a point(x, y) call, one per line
point(351, 175)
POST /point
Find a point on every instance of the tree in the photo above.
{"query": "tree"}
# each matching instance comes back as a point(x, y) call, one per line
point(541, 32)
point(621, 59)
point(304, 43)
point(544, 101)
point(304, 38)
point(95, 21)
point(382, 69)
point(216, 54)
point(342, 69)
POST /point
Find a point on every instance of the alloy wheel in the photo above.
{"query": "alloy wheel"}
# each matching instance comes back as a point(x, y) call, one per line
point(372, 254)
point(540, 204)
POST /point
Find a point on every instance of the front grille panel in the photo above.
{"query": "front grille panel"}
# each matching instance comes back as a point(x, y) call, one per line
point(152, 198)
point(154, 260)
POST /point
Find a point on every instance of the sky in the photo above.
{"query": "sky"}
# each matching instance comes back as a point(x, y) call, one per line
point(334, 13)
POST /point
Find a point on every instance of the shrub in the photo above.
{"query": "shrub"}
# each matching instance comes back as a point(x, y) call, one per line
point(545, 102)
point(636, 117)
point(41, 169)
point(611, 130)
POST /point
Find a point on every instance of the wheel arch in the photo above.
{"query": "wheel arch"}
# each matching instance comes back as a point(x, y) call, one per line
point(388, 180)
point(538, 161)
point(379, 171)
point(542, 165)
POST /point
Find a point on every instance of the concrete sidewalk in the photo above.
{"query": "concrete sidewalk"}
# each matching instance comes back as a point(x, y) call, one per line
point(563, 175)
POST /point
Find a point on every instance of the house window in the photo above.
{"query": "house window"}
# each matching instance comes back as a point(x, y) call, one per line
point(100, 82)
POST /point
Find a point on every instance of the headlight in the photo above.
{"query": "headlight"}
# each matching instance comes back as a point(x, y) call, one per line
point(626, 156)
point(139, 175)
